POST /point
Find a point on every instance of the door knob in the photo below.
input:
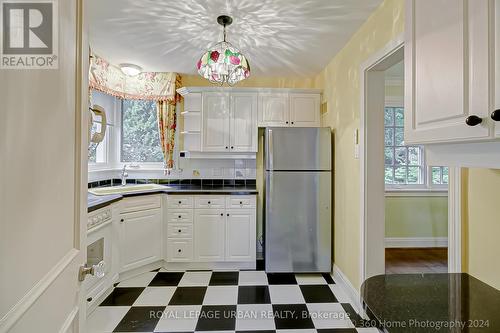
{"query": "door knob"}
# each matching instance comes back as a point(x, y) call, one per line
point(97, 270)
point(473, 120)
point(495, 115)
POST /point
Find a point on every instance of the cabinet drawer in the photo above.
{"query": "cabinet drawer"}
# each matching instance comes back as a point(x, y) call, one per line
point(180, 216)
point(241, 201)
point(139, 203)
point(209, 201)
point(179, 250)
point(180, 201)
point(180, 230)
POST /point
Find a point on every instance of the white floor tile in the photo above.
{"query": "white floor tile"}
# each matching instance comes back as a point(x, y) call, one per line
point(155, 296)
point(179, 319)
point(289, 294)
point(221, 295)
point(142, 280)
point(252, 278)
point(192, 279)
point(105, 318)
point(254, 317)
point(329, 315)
point(339, 293)
point(367, 330)
point(310, 279)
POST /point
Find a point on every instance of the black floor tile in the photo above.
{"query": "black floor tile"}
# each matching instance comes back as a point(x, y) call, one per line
point(253, 295)
point(281, 278)
point(356, 319)
point(122, 297)
point(140, 319)
point(328, 278)
point(337, 330)
point(318, 294)
point(224, 279)
point(166, 279)
point(292, 316)
point(217, 318)
point(188, 296)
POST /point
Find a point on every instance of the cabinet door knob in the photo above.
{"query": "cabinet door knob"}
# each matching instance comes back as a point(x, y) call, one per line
point(227, 147)
point(180, 216)
point(221, 214)
point(122, 220)
point(473, 120)
point(292, 122)
point(286, 122)
point(227, 214)
point(495, 115)
point(241, 202)
point(180, 230)
point(180, 202)
point(209, 202)
point(179, 250)
point(232, 147)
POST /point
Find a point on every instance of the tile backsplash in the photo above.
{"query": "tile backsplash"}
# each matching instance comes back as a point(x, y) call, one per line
point(188, 170)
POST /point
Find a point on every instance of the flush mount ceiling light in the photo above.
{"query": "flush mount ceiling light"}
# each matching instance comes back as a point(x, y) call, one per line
point(130, 69)
point(223, 63)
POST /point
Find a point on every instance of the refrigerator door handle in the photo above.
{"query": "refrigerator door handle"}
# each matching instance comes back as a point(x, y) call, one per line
point(270, 149)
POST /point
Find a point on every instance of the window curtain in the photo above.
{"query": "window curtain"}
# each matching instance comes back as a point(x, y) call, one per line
point(152, 86)
point(166, 127)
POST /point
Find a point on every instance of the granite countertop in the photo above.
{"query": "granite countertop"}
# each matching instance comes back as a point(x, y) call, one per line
point(432, 303)
point(95, 202)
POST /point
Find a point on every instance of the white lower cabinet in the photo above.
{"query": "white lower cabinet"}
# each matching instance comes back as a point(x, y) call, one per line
point(209, 225)
point(140, 238)
point(213, 229)
point(240, 235)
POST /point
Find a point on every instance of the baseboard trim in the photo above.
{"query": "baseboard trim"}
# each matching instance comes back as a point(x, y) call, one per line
point(391, 242)
point(351, 292)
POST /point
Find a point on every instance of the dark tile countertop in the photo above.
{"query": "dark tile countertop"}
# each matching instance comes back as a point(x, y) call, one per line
point(99, 201)
point(432, 303)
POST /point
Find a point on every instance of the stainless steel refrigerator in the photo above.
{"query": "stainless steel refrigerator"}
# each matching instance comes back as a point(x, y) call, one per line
point(297, 204)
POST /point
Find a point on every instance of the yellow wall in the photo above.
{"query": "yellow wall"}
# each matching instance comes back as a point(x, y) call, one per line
point(408, 216)
point(482, 225)
point(340, 81)
point(254, 81)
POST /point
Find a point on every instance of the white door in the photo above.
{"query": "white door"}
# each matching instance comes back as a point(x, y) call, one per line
point(273, 110)
point(140, 238)
point(43, 178)
point(243, 122)
point(497, 70)
point(209, 225)
point(304, 110)
point(446, 70)
point(215, 119)
point(240, 235)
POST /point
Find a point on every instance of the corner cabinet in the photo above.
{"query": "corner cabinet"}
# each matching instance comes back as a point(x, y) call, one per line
point(449, 54)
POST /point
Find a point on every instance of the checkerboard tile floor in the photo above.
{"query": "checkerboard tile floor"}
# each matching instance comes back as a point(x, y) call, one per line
point(240, 301)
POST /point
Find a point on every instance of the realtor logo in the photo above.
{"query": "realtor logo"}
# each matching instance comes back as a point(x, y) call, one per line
point(29, 34)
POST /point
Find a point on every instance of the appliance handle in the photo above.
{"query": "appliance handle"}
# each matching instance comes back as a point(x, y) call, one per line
point(269, 149)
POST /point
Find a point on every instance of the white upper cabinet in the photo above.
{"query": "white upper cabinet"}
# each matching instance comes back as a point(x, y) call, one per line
point(215, 119)
point(447, 71)
point(274, 110)
point(304, 110)
point(243, 122)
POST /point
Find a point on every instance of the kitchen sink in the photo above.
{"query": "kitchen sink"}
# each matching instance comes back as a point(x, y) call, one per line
point(126, 189)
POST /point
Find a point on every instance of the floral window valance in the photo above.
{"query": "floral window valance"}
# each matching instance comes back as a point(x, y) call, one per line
point(108, 78)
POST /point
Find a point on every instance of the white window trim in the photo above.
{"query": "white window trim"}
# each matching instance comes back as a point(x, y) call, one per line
point(401, 189)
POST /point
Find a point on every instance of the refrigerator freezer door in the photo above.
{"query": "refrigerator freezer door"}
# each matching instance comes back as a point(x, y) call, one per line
point(298, 148)
point(298, 222)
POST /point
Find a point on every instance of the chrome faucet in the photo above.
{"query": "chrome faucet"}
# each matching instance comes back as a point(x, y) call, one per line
point(124, 175)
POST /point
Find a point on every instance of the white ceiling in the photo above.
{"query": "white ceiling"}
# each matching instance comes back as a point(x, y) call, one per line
point(278, 37)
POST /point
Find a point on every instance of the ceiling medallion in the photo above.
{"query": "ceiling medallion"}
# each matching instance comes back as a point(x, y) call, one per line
point(223, 63)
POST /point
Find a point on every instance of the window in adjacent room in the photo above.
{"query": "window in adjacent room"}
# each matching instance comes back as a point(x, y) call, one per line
point(99, 155)
point(405, 164)
point(140, 141)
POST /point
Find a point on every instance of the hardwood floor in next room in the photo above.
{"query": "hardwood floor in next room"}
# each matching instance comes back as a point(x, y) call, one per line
point(416, 260)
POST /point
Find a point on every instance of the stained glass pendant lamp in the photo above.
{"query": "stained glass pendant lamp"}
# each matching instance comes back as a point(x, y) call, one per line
point(223, 63)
